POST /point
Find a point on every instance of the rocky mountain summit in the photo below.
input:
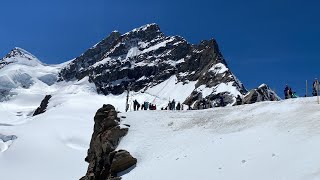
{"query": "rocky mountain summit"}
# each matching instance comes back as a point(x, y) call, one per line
point(145, 57)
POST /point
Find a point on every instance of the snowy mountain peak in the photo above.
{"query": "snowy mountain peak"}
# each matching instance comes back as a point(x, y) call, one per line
point(145, 57)
point(152, 26)
point(19, 56)
point(19, 52)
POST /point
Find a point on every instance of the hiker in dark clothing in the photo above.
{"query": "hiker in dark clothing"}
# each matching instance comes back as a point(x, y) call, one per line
point(138, 106)
point(178, 106)
point(239, 100)
point(290, 93)
point(314, 87)
point(286, 92)
point(169, 106)
point(173, 103)
point(135, 103)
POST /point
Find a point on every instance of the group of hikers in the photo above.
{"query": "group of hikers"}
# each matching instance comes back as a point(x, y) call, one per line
point(288, 93)
point(204, 104)
point(172, 106)
point(149, 106)
point(144, 106)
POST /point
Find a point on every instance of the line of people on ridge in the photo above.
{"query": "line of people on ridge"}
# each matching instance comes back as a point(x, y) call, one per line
point(144, 106)
point(148, 106)
point(172, 106)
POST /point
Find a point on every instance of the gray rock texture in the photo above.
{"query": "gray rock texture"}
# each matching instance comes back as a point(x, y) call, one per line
point(104, 161)
point(43, 106)
point(262, 93)
point(145, 57)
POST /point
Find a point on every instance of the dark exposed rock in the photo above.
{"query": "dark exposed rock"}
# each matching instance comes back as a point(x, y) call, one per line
point(262, 93)
point(43, 106)
point(105, 139)
point(145, 57)
point(122, 161)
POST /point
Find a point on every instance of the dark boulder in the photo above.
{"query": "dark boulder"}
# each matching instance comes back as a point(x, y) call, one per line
point(122, 161)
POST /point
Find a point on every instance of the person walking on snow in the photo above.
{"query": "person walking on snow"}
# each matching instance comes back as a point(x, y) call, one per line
point(286, 90)
point(173, 104)
point(135, 104)
point(290, 93)
point(178, 106)
point(314, 87)
point(138, 106)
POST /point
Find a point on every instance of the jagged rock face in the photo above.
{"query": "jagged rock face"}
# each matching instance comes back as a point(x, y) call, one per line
point(145, 57)
point(43, 106)
point(262, 93)
point(104, 161)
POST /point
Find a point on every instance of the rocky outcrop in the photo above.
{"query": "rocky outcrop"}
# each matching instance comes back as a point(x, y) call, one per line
point(145, 57)
point(262, 93)
point(43, 106)
point(122, 160)
point(104, 162)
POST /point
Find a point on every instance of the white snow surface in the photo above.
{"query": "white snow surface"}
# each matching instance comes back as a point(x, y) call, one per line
point(268, 140)
point(219, 68)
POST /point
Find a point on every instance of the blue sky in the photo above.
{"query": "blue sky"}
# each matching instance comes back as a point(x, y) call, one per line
point(266, 41)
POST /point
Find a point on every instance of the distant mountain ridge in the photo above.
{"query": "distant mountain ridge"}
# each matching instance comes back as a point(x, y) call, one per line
point(143, 60)
point(145, 57)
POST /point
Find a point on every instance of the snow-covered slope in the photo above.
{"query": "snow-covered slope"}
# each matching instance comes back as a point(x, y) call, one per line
point(268, 140)
point(20, 70)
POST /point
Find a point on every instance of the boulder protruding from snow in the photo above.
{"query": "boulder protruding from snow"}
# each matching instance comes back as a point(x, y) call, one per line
point(104, 161)
point(43, 106)
point(262, 93)
point(122, 161)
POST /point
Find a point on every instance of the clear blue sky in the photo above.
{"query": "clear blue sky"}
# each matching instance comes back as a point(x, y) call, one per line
point(266, 41)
